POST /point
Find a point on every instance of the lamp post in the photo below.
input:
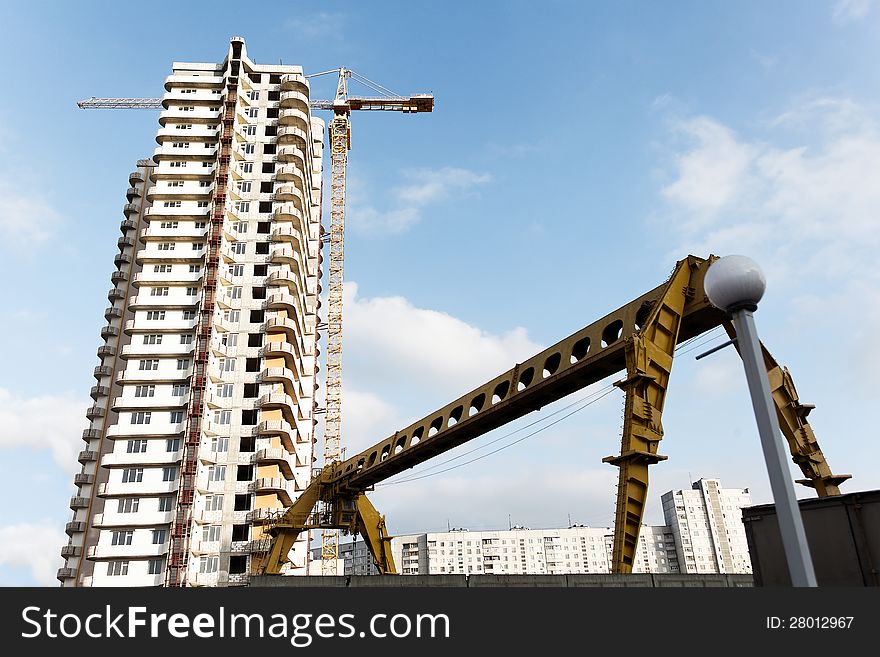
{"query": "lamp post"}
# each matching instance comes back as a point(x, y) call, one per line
point(735, 284)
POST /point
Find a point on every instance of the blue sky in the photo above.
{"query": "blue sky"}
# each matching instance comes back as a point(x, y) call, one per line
point(576, 151)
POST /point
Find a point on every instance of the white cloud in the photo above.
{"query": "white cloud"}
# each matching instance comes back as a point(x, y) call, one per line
point(846, 11)
point(366, 419)
point(813, 203)
point(713, 172)
point(25, 219)
point(426, 186)
point(421, 347)
point(35, 547)
point(50, 422)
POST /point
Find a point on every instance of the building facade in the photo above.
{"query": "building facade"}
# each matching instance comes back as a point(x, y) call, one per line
point(703, 534)
point(202, 425)
point(706, 523)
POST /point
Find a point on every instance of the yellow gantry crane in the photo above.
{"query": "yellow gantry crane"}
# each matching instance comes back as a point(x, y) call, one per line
point(339, 132)
point(639, 338)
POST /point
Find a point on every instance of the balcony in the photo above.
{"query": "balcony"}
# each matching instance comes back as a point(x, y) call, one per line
point(126, 225)
point(283, 255)
point(294, 82)
point(176, 277)
point(278, 400)
point(106, 350)
point(153, 376)
point(65, 573)
point(197, 81)
point(277, 485)
point(132, 193)
point(71, 551)
point(289, 351)
point(87, 456)
point(102, 370)
point(100, 551)
point(113, 488)
point(199, 546)
point(109, 332)
point(146, 302)
point(286, 277)
point(176, 113)
point(112, 313)
point(130, 209)
point(275, 456)
point(291, 329)
point(98, 391)
point(139, 519)
point(204, 579)
point(83, 479)
point(162, 401)
point(283, 430)
point(264, 515)
point(79, 503)
point(194, 133)
point(260, 545)
point(74, 527)
point(296, 96)
point(135, 178)
point(292, 172)
point(115, 294)
point(170, 349)
point(157, 458)
point(283, 376)
point(121, 259)
point(292, 154)
point(95, 411)
point(289, 303)
point(188, 210)
point(175, 324)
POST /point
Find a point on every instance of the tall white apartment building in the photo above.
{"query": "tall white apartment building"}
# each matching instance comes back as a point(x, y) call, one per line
point(202, 423)
point(706, 522)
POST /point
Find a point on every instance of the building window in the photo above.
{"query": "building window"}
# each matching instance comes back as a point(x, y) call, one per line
point(169, 474)
point(187, 314)
point(213, 503)
point(176, 417)
point(150, 364)
point(141, 417)
point(166, 503)
point(249, 130)
point(159, 292)
point(132, 475)
point(136, 446)
point(222, 417)
point(128, 505)
point(162, 269)
point(252, 112)
point(179, 389)
point(166, 246)
point(211, 533)
point(194, 269)
point(192, 291)
point(208, 564)
point(172, 444)
point(153, 338)
point(225, 390)
point(186, 338)
point(216, 473)
point(170, 224)
point(115, 568)
point(183, 363)
point(239, 248)
point(122, 537)
point(154, 315)
point(247, 167)
point(220, 444)
point(155, 567)
point(201, 204)
point(145, 391)
point(248, 149)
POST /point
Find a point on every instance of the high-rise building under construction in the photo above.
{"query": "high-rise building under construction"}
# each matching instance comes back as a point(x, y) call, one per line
point(202, 423)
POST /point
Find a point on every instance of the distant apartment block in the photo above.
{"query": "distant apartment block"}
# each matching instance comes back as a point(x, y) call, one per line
point(704, 534)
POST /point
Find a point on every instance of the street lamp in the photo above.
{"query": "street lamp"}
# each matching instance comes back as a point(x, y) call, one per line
point(735, 284)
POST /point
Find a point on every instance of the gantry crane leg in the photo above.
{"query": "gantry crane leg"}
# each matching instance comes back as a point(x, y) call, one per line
point(649, 356)
point(798, 433)
point(371, 526)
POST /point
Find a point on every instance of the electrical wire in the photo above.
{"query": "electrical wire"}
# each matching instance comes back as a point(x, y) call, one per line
point(495, 451)
point(519, 429)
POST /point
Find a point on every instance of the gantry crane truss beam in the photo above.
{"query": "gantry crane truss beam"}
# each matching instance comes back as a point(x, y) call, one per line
point(640, 337)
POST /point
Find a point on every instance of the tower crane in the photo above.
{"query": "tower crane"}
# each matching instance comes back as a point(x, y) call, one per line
point(640, 337)
point(339, 132)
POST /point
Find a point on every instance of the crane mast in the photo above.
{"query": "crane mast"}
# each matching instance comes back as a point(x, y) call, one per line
point(340, 142)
